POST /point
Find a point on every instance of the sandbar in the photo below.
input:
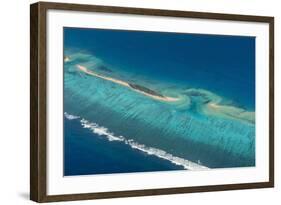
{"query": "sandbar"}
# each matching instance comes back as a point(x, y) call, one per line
point(232, 112)
point(135, 87)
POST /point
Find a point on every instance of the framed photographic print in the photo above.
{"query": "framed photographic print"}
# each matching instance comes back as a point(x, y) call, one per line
point(133, 102)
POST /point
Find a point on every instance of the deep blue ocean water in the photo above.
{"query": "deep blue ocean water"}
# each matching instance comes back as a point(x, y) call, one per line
point(175, 64)
point(88, 153)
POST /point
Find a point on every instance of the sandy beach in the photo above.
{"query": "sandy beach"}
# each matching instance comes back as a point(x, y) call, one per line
point(123, 83)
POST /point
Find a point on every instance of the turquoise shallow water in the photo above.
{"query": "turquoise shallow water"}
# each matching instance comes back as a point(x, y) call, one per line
point(192, 132)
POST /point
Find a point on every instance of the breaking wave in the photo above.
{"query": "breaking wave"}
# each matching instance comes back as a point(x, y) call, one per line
point(104, 132)
point(70, 117)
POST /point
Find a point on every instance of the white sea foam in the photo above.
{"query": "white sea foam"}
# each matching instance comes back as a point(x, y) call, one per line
point(102, 131)
point(70, 117)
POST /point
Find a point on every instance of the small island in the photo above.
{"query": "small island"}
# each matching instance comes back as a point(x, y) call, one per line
point(145, 89)
point(66, 59)
point(138, 88)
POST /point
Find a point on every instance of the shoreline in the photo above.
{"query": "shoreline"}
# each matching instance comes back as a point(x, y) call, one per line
point(134, 87)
